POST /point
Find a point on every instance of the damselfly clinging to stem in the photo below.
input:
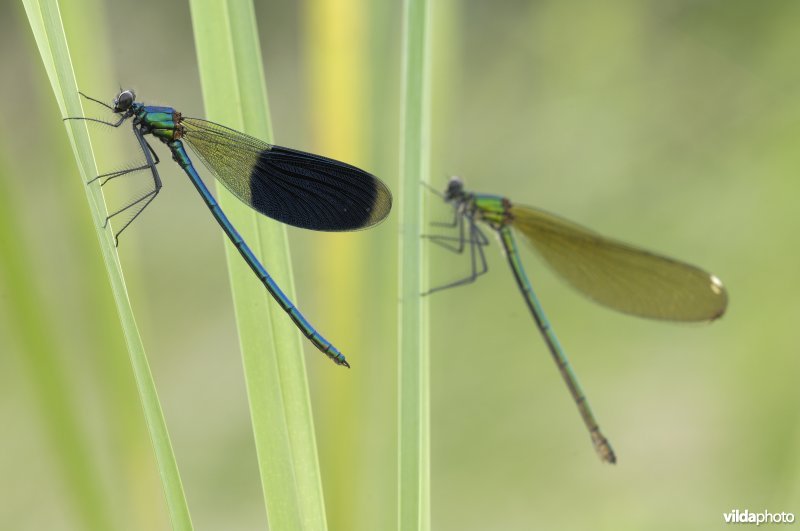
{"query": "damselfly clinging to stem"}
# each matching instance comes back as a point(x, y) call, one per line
point(293, 187)
point(613, 274)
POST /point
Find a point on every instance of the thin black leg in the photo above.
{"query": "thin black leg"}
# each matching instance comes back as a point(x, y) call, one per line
point(114, 124)
point(130, 205)
point(477, 241)
point(432, 189)
point(442, 240)
point(479, 237)
point(119, 173)
point(449, 224)
point(146, 198)
point(152, 159)
point(107, 106)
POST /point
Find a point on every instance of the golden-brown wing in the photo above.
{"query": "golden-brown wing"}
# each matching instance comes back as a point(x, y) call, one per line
point(621, 276)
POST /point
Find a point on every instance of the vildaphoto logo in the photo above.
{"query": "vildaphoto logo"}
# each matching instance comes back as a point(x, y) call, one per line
point(765, 517)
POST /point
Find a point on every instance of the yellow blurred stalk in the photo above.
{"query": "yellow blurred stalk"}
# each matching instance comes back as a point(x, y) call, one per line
point(337, 69)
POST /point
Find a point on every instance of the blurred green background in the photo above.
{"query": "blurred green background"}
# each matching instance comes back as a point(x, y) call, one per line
point(671, 125)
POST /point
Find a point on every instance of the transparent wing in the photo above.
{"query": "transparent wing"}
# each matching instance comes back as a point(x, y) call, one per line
point(293, 187)
point(620, 276)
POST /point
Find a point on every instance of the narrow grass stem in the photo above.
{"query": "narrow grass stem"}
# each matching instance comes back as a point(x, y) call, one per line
point(414, 399)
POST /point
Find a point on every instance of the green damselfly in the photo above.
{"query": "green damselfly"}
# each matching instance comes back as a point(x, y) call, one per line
point(613, 274)
point(293, 187)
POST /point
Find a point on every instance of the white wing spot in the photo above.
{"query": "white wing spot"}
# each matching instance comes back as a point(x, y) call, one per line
point(716, 285)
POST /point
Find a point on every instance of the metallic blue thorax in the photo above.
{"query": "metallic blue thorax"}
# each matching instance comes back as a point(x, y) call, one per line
point(162, 122)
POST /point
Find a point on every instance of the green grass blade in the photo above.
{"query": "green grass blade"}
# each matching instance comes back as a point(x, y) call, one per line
point(45, 21)
point(234, 93)
point(414, 359)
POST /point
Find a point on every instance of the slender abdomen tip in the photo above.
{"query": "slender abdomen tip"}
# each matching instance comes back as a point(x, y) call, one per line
point(603, 448)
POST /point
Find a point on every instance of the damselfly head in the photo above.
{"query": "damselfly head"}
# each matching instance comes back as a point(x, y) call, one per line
point(455, 189)
point(123, 101)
